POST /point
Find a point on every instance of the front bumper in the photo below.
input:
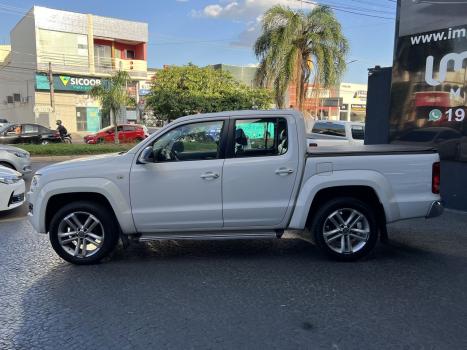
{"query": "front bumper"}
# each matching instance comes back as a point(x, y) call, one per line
point(436, 209)
point(12, 196)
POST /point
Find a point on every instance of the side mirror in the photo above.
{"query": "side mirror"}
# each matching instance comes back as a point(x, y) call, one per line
point(147, 156)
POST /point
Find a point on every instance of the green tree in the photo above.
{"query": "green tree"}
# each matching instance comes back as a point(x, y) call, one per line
point(296, 45)
point(113, 95)
point(184, 90)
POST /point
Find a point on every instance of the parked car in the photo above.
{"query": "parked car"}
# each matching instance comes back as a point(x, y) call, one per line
point(126, 133)
point(15, 158)
point(446, 140)
point(12, 189)
point(251, 178)
point(336, 133)
point(3, 122)
point(28, 133)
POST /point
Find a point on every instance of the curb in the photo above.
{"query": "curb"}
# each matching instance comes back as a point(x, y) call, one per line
point(55, 158)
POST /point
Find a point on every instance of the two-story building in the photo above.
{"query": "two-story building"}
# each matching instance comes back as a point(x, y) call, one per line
point(76, 51)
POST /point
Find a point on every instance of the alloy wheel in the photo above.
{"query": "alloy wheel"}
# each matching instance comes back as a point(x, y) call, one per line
point(80, 234)
point(346, 231)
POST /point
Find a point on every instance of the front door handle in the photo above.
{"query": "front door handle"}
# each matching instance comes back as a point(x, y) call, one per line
point(209, 175)
point(284, 171)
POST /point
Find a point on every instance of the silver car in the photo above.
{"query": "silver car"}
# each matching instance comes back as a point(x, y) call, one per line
point(15, 158)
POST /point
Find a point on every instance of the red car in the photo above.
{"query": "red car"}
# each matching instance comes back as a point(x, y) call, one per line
point(126, 133)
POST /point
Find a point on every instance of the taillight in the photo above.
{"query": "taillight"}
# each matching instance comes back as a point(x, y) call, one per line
point(436, 178)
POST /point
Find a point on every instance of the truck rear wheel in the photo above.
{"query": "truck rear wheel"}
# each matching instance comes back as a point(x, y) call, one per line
point(83, 233)
point(345, 228)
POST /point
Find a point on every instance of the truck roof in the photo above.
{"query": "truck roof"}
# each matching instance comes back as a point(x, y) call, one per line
point(243, 113)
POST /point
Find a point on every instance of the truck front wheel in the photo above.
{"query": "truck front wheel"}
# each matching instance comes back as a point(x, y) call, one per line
point(83, 233)
point(345, 228)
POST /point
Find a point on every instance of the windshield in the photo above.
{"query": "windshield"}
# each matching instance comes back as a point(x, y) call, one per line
point(4, 128)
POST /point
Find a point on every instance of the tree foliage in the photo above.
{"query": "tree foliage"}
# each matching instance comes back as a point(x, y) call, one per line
point(296, 45)
point(185, 90)
point(113, 96)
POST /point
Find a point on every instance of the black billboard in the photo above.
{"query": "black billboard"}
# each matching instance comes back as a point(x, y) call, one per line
point(429, 79)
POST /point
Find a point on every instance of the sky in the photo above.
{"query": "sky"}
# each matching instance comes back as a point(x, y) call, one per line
point(223, 31)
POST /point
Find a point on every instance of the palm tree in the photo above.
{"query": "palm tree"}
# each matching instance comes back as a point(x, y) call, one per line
point(113, 95)
point(295, 46)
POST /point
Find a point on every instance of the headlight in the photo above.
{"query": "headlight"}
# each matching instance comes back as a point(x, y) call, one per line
point(9, 179)
point(18, 154)
point(34, 183)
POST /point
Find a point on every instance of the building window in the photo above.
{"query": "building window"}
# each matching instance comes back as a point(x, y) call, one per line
point(130, 54)
point(103, 56)
point(81, 119)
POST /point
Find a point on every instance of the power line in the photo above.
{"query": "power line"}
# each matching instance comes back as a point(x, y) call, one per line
point(346, 9)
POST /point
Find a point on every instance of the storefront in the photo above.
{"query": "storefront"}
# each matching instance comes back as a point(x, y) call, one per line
point(73, 105)
point(353, 106)
point(429, 90)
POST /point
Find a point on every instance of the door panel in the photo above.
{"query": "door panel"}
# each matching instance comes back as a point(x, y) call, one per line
point(183, 188)
point(167, 196)
point(257, 188)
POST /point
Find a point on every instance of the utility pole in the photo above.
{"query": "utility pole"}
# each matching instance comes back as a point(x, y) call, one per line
point(52, 90)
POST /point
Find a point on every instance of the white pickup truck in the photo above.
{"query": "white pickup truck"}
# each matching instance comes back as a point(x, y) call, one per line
point(233, 175)
point(326, 133)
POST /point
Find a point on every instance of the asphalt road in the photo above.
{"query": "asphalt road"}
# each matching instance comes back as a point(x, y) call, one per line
point(410, 294)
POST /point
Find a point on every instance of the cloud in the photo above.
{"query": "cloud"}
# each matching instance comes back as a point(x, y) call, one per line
point(244, 9)
point(248, 11)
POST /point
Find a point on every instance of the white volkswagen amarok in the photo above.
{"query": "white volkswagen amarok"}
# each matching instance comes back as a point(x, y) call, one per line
point(233, 175)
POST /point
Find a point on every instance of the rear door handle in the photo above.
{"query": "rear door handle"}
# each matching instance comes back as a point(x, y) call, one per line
point(209, 175)
point(284, 171)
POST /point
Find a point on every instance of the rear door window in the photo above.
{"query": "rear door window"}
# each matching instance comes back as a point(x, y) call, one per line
point(30, 129)
point(260, 137)
point(329, 128)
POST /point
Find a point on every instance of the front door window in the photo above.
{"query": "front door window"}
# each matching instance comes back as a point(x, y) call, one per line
point(197, 141)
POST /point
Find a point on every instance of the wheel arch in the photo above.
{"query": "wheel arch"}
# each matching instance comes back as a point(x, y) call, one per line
point(364, 193)
point(361, 184)
point(57, 201)
point(99, 190)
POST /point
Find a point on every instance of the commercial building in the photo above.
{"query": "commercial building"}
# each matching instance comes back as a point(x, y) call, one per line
point(243, 74)
point(346, 102)
point(79, 51)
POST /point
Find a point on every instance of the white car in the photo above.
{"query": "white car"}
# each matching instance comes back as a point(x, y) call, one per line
point(15, 158)
point(12, 189)
point(3, 122)
point(233, 175)
point(335, 133)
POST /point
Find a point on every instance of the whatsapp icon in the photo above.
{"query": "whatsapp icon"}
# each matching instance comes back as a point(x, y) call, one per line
point(435, 115)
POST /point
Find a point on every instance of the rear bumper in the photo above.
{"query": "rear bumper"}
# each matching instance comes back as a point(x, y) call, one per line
point(436, 209)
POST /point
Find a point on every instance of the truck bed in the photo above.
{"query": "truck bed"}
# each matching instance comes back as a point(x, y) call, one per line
point(368, 150)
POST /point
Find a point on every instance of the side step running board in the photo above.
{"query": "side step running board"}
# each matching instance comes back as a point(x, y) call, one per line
point(215, 235)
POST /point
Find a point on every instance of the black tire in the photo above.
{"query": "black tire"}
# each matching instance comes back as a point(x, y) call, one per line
point(107, 220)
point(100, 140)
point(7, 165)
point(345, 206)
